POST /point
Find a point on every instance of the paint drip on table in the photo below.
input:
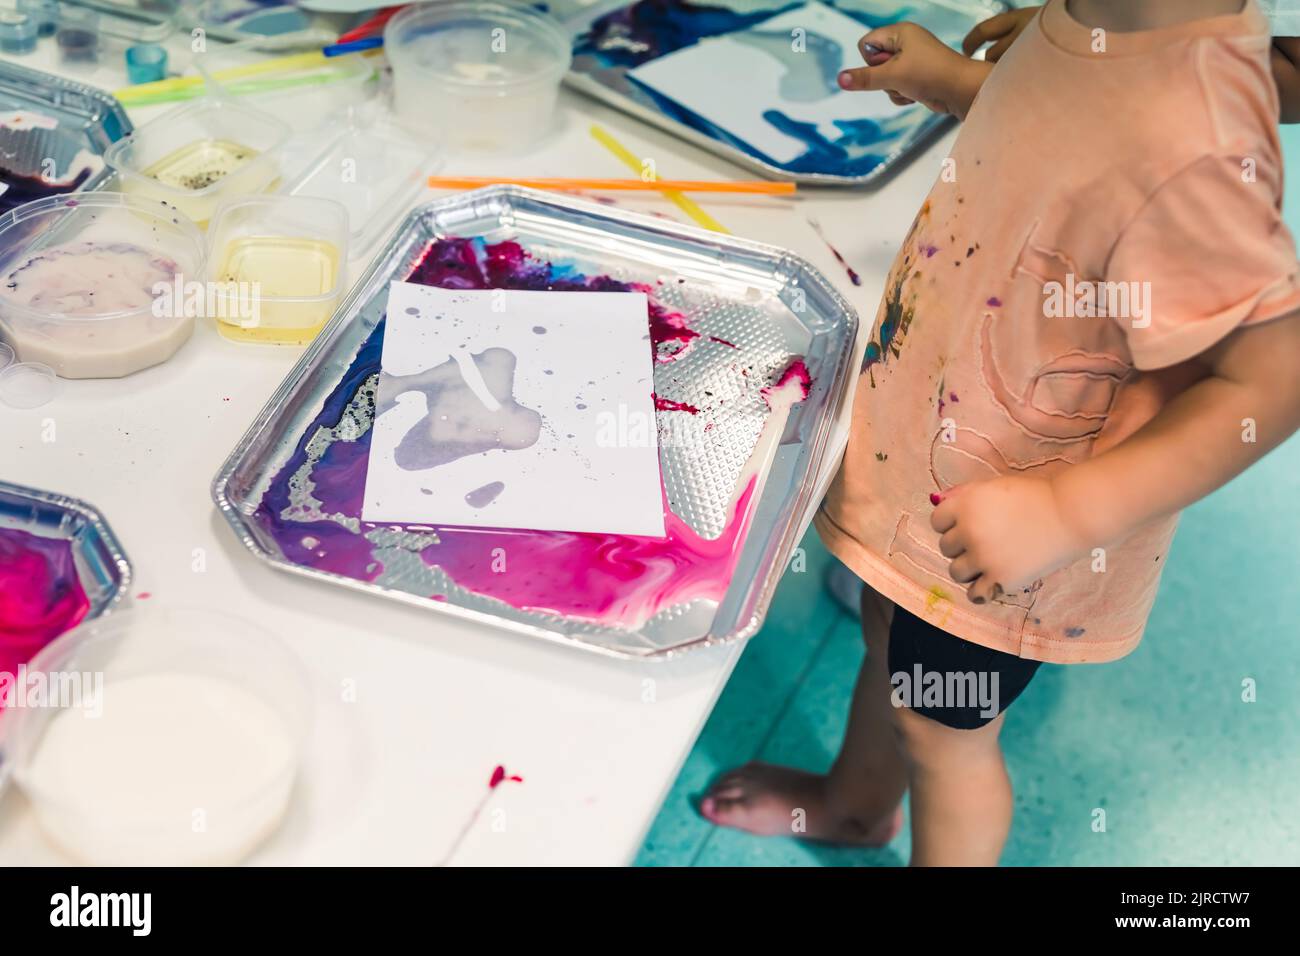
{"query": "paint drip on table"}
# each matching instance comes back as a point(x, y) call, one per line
point(312, 506)
point(40, 596)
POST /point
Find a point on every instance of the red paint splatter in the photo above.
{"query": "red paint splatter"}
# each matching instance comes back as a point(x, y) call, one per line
point(935, 498)
point(499, 775)
point(668, 405)
point(714, 338)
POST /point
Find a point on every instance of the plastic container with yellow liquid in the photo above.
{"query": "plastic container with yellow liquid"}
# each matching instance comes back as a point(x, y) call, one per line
point(278, 267)
point(201, 155)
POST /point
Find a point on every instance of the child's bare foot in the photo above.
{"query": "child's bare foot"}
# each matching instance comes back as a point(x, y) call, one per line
point(765, 800)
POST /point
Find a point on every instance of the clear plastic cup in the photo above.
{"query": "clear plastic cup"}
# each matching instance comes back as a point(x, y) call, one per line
point(89, 282)
point(479, 76)
point(200, 155)
point(278, 266)
point(174, 737)
point(6, 356)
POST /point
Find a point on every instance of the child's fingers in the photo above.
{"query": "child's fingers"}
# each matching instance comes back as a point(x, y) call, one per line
point(945, 510)
point(898, 99)
point(983, 590)
point(951, 543)
point(994, 53)
point(867, 77)
point(994, 28)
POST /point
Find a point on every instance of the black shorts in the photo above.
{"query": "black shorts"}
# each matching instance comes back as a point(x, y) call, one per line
point(959, 684)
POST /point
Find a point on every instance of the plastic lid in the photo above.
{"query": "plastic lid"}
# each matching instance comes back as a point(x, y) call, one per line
point(387, 170)
point(28, 385)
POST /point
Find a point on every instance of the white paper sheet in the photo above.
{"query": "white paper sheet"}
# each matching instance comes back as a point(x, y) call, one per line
point(787, 64)
point(508, 409)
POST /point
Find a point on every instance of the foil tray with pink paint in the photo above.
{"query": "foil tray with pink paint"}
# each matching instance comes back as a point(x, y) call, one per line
point(752, 351)
point(60, 564)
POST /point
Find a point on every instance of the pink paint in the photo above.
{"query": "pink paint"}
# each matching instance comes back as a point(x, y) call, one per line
point(795, 380)
point(41, 595)
point(668, 405)
point(936, 499)
point(499, 775)
point(143, 596)
point(714, 338)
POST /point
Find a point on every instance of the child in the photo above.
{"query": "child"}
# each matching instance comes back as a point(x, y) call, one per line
point(1283, 15)
point(1091, 325)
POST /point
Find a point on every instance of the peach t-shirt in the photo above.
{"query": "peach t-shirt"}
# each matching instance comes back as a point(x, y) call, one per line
point(1147, 161)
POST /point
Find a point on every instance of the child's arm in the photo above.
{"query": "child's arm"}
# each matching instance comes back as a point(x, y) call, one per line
point(1007, 532)
point(917, 66)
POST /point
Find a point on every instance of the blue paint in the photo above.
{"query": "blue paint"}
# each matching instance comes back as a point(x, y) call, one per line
point(643, 31)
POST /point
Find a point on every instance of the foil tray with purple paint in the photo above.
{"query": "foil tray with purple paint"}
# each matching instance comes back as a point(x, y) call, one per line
point(752, 350)
point(53, 134)
point(613, 37)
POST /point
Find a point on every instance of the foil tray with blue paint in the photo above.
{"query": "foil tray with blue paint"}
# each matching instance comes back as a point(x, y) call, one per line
point(53, 134)
point(609, 43)
point(729, 321)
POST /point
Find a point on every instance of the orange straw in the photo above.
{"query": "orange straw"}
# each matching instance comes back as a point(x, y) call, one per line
point(750, 187)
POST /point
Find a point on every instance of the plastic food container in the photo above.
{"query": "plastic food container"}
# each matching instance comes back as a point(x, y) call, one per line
point(200, 155)
point(477, 76)
point(375, 172)
point(175, 739)
point(278, 264)
point(88, 283)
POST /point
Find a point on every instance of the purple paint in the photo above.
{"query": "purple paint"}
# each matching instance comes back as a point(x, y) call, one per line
point(457, 423)
point(482, 497)
point(995, 302)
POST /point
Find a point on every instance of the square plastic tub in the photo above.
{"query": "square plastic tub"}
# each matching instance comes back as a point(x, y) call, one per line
point(200, 155)
point(88, 282)
point(376, 173)
point(478, 76)
point(278, 264)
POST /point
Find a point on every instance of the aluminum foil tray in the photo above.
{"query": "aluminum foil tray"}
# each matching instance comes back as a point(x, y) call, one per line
point(752, 310)
point(60, 122)
point(612, 38)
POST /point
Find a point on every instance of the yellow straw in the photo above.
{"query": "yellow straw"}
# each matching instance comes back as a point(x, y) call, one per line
point(297, 61)
point(680, 200)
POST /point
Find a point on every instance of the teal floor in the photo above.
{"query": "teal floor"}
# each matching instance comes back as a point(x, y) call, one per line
point(1186, 771)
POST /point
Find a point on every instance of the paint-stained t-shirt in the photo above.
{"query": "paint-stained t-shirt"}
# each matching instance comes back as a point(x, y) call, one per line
point(1112, 209)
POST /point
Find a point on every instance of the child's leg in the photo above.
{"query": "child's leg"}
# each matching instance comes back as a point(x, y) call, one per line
point(960, 792)
point(857, 802)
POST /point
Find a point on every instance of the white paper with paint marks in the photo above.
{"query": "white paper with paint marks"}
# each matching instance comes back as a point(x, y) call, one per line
point(512, 409)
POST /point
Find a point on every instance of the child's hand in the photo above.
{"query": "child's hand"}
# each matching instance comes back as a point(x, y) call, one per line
point(1004, 534)
point(1001, 31)
point(915, 65)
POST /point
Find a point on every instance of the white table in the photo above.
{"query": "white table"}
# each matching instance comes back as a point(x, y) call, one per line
point(438, 703)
